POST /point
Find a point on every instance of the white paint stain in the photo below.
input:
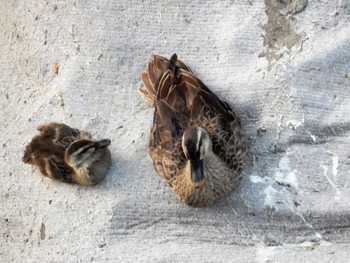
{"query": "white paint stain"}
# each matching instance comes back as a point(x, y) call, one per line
point(286, 175)
point(270, 196)
point(296, 123)
point(255, 179)
point(283, 175)
point(325, 173)
point(313, 137)
point(335, 160)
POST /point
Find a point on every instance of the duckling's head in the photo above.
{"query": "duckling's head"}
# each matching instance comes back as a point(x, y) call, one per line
point(196, 144)
point(82, 153)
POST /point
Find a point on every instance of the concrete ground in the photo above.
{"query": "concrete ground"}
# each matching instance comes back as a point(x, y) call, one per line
point(283, 64)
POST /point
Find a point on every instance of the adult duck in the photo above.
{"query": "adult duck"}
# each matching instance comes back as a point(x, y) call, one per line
point(197, 141)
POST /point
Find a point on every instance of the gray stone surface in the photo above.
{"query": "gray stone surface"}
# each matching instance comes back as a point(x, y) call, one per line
point(283, 64)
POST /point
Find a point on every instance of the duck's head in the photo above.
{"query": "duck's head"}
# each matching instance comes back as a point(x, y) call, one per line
point(84, 152)
point(196, 144)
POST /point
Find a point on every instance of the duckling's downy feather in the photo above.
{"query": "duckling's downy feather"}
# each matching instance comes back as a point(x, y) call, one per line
point(47, 152)
point(181, 100)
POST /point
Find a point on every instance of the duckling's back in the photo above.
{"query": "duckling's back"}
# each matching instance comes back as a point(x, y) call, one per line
point(48, 157)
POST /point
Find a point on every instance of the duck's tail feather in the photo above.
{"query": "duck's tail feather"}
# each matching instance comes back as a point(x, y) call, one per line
point(153, 75)
point(172, 65)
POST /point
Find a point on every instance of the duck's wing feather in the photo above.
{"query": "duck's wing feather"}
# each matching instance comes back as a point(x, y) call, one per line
point(165, 140)
point(154, 74)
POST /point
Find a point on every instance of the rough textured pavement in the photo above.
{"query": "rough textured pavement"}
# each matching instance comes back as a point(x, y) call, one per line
point(283, 64)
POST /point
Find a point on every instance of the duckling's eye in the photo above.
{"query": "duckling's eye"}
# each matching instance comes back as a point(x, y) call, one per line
point(66, 141)
point(75, 132)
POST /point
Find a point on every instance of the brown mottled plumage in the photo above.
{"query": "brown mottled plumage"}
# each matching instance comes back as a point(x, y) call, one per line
point(197, 141)
point(68, 155)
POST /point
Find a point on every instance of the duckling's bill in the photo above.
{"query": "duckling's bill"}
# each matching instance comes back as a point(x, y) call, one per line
point(102, 143)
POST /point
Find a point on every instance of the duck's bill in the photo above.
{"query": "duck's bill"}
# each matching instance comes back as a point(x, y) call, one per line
point(102, 143)
point(197, 175)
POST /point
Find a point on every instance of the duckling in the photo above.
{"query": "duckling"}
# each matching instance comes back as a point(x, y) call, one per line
point(68, 155)
point(197, 141)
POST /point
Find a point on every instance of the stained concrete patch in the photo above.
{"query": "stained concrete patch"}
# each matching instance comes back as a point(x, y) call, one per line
point(279, 29)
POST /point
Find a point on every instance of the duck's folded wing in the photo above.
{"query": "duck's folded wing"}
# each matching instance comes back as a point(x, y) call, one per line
point(165, 141)
point(207, 104)
point(167, 125)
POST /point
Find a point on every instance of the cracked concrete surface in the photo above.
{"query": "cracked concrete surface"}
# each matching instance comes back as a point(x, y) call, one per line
point(294, 199)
